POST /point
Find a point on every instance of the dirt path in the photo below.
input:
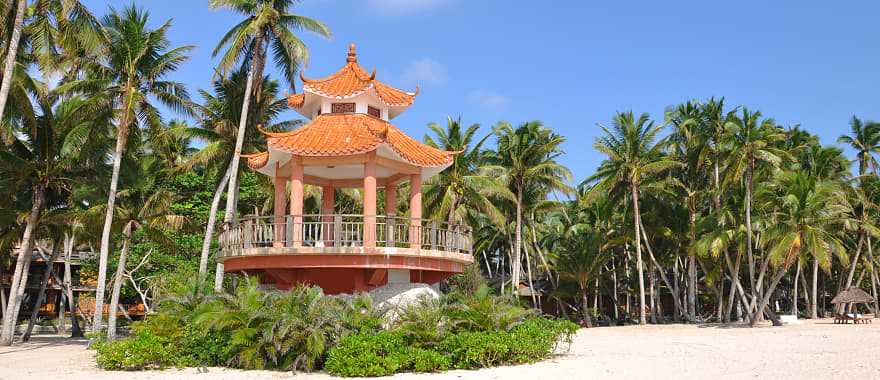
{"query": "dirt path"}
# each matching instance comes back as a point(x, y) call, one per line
point(810, 350)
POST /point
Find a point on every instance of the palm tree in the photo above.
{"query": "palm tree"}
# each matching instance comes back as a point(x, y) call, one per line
point(525, 157)
point(218, 116)
point(128, 79)
point(579, 256)
point(144, 206)
point(633, 155)
point(806, 214)
point(464, 188)
point(752, 143)
point(11, 53)
point(690, 147)
point(865, 139)
point(267, 24)
point(51, 150)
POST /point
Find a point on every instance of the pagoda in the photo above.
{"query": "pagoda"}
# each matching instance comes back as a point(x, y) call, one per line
point(347, 143)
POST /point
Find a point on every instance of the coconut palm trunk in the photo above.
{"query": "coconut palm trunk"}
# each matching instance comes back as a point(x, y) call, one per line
point(117, 283)
point(692, 265)
point(212, 221)
point(639, 264)
point(852, 268)
point(794, 290)
point(873, 274)
point(41, 294)
point(9, 65)
point(22, 264)
point(814, 304)
point(69, 244)
point(100, 289)
point(676, 300)
point(517, 244)
point(765, 298)
point(231, 201)
point(749, 255)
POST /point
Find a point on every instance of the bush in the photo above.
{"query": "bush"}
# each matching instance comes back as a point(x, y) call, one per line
point(141, 351)
point(427, 360)
point(303, 329)
point(533, 340)
point(368, 354)
point(387, 352)
point(381, 354)
point(204, 348)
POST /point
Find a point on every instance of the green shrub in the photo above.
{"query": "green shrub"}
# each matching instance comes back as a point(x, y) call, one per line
point(203, 348)
point(368, 354)
point(476, 349)
point(427, 360)
point(533, 340)
point(381, 354)
point(141, 351)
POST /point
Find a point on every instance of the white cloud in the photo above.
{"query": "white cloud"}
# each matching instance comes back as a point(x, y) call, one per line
point(405, 6)
point(424, 72)
point(488, 100)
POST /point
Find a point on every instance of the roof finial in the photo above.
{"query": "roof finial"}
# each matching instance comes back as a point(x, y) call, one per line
point(352, 56)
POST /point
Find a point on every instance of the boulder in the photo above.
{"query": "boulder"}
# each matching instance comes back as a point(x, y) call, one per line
point(392, 298)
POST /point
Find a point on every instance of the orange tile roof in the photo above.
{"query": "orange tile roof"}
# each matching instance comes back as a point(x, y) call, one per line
point(352, 79)
point(349, 134)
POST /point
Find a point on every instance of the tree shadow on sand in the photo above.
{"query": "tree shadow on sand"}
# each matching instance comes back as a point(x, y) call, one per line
point(39, 342)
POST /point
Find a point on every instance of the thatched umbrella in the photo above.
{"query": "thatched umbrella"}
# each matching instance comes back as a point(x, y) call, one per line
point(853, 295)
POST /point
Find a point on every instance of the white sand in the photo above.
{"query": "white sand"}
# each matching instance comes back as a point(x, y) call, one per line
point(811, 350)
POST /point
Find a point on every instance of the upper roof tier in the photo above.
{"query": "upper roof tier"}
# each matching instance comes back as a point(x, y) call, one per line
point(351, 81)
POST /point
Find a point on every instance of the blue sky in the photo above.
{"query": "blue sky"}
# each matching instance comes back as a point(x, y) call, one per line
point(573, 64)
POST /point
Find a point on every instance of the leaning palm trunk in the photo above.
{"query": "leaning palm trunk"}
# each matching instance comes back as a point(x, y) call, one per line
point(9, 65)
point(814, 304)
point(676, 300)
point(231, 201)
point(639, 264)
point(212, 221)
point(121, 137)
point(692, 267)
point(750, 256)
point(22, 264)
point(794, 289)
point(117, 283)
point(517, 245)
point(852, 267)
point(765, 299)
point(873, 274)
point(69, 244)
point(41, 294)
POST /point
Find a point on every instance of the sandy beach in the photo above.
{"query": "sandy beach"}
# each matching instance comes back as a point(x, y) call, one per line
point(811, 350)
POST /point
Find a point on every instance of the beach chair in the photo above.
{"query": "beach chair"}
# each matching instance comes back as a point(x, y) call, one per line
point(843, 318)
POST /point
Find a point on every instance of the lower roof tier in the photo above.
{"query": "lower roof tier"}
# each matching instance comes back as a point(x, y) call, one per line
point(348, 135)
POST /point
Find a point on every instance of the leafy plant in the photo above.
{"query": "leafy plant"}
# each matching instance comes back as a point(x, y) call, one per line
point(484, 311)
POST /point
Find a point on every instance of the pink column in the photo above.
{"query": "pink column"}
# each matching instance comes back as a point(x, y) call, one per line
point(280, 201)
point(370, 201)
point(296, 200)
point(327, 200)
point(415, 210)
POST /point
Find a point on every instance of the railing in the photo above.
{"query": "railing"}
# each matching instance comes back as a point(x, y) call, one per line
point(343, 231)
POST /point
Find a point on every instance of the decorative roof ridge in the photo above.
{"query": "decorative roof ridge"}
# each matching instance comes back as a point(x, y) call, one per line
point(277, 134)
point(250, 155)
point(354, 80)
